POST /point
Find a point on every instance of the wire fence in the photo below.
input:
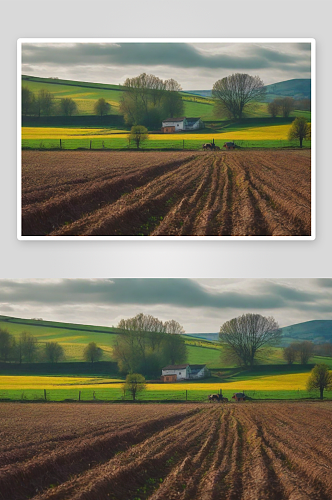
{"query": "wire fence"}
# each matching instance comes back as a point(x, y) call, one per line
point(153, 144)
point(117, 395)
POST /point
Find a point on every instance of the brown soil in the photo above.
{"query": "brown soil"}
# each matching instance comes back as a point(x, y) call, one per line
point(249, 451)
point(233, 193)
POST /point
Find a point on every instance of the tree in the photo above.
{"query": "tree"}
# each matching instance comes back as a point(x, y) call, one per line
point(287, 105)
point(28, 101)
point(102, 107)
point(173, 327)
point(68, 106)
point(245, 336)
point(138, 135)
point(134, 384)
point(175, 349)
point(173, 104)
point(53, 352)
point(92, 352)
point(305, 351)
point(289, 354)
point(44, 103)
point(320, 378)
point(234, 93)
point(300, 129)
point(27, 347)
point(148, 99)
point(6, 344)
point(273, 108)
point(146, 344)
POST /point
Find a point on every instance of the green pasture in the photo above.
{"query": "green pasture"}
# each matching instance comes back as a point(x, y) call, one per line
point(177, 394)
point(180, 144)
point(86, 93)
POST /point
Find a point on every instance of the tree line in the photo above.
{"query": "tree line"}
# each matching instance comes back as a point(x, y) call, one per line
point(27, 349)
point(43, 103)
point(302, 352)
point(146, 344)
point(283, 106)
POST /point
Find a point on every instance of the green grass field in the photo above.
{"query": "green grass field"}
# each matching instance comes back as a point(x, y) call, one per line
point(85, 94)
point(271, 379)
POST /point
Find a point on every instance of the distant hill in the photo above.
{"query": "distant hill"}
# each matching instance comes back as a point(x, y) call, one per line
point(206, 336)
point(297, 88)
point(318, 331)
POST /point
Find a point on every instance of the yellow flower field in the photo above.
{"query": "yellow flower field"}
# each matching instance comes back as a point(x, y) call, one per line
point(267, 383)
point(275, 132)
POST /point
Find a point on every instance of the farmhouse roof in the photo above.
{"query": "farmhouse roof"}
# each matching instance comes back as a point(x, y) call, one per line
point(193, 120)
point(175, 367)
point(196, 367)
point(174, 119)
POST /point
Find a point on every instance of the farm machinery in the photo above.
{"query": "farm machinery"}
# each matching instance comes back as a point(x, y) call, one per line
point(217, 398)
point(210, 146)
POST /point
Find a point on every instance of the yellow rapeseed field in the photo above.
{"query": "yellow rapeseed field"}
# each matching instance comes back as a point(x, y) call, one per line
point(265, 383)
point(275, 132)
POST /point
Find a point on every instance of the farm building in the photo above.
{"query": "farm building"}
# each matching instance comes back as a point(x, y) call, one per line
point(171, 125)
point(184, 372)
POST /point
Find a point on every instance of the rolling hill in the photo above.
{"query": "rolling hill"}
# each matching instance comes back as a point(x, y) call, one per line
point(317, 331)
point(296, 88)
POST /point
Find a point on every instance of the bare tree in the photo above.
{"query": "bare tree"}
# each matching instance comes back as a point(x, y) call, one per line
point(234, 93)
point(300, 129)
point(102, 107)
point(245, 336)
point(173, 327)
point(321, 379)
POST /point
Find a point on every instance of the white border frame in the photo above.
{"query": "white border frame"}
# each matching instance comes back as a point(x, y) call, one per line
point(312, 41)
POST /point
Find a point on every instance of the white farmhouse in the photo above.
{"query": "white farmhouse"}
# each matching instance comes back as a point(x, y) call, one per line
point(174, 373)
point(171, 125)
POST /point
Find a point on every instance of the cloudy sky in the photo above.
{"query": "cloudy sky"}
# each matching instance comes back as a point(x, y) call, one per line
point(196, 66)
point(200, 305)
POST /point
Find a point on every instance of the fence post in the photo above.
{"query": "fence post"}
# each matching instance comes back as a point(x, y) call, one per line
point(45, 394)
point(186, 395)
point(79, 395)
point(183, 144)
point(60, 144)
point(90, 144)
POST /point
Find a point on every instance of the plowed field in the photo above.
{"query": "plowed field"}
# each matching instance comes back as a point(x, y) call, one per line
point(99, 193)
point(254, 451)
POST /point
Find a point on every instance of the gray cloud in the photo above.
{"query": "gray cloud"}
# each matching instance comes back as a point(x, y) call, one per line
point(152, 54)
point(164, 59)
point(198, 304)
